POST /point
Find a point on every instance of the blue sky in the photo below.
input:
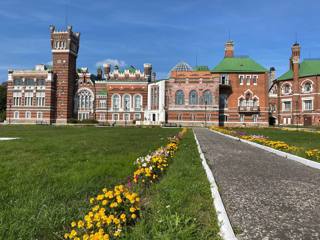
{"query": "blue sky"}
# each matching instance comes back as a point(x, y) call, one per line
point(159, 32)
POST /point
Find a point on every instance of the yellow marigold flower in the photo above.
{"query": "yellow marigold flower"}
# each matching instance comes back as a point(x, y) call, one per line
point(91, 200)
point(85, 237)
point(73, 233)
point(132, 209)
point(117, 233)
point(133, 216)
point(95, 208)
point(119, 200)
point(80, 224)
point(73, 224)
point(100, 197)
point(106, 237)
point(116, 221)
point(66, 235)
point(104, 202)
point(138, 199)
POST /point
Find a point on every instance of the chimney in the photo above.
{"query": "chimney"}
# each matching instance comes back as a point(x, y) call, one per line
point(106, 68)
point(295, 60)
point(99, 73)
point(229, 49)
point(147, 70)
point(272, 75)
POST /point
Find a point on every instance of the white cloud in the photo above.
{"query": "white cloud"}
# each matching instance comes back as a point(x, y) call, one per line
point(113, 62)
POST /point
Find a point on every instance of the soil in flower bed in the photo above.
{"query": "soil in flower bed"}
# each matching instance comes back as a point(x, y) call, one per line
point(180, 205)
point(48, 175)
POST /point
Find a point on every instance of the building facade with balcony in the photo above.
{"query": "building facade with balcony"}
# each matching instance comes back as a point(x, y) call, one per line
point(296, 93)
point(243, 90)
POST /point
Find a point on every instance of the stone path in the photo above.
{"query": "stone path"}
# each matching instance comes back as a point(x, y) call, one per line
point(265, 196)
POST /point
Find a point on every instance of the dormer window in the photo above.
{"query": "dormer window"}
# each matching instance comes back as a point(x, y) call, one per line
point(254, 79)
point(248, 79)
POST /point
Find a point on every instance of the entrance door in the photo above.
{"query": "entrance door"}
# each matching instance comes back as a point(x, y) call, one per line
point(307, 121)
point(153, 117)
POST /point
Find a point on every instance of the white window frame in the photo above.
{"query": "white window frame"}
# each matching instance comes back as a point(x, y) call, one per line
point(255, 79)
point(242, 118)
point(241, 79)
point(115, 117)
point(283, 105)
point(102, 103)
point(126, 117)
point(304, 106)
point(137, 116)
point(16, 115)
point(248, 82)
point(27, 115)
point(39, 115)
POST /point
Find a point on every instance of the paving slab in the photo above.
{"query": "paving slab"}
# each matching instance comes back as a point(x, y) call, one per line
point(266, 197)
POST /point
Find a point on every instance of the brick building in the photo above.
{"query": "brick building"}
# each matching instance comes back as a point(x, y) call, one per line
point(243, 93)
point(295, 96)
point(192, 96)
point(233, 93)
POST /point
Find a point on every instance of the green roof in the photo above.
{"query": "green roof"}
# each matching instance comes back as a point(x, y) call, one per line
point(308, 67)
point(238, 64)
point(201, 68)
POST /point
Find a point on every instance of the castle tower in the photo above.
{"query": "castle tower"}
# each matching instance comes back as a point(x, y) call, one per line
point(229, 49)
point(65, 47)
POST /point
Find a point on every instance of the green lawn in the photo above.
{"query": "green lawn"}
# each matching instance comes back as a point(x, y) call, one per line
point(180, 206)
point(306, 140)
point(48, 175)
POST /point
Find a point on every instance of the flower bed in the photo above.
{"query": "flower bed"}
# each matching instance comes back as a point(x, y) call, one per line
point(313, 154)
point(113, 210)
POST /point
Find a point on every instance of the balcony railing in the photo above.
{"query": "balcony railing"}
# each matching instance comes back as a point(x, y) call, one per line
point(249, 108)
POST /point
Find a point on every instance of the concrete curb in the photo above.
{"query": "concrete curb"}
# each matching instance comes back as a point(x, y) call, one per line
point(286, 155)
point(8, 138)
point(226, 230)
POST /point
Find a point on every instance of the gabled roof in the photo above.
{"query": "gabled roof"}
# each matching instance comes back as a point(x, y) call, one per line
point(308, 67)
point(238, 64)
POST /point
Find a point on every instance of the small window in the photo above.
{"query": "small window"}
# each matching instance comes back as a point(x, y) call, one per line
point(16, 115)
point(126, 117)
point(102, 117)
point(242, 118)
point(39, 115)
point(307, 87)
point(137, 116)
point(103, 103)
point(248, 77)
point(115, 117)
point(255, 117)
point(307, 105)
point(286, 106)
point(241, 77)
point(28, 115)
point(224, 79)
point(255, 79)
point(286, 89)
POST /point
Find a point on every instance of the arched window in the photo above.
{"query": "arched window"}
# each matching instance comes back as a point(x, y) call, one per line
point(126, 102)
point(242, 102)
point(207, 97)
point(307, 87)
point(179, 97)
point(85, 100)
point(193, 97)
point(286, 89)
point(115, 102)
point(137, 103)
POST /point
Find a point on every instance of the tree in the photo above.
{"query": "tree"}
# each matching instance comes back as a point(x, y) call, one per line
point(3, 101)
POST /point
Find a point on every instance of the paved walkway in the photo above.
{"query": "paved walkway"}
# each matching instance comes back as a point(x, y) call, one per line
point(266, 196)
